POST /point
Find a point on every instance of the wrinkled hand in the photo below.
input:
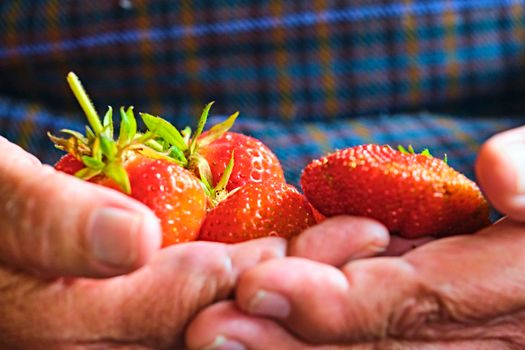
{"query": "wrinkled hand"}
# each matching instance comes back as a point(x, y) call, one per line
point(463, 292)
point(53, 225)
point(146, 309)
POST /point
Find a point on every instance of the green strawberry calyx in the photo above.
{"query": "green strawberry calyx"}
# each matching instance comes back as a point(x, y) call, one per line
point(102, 154)
point(98, 150)
point(184, 147)
point(425, 152)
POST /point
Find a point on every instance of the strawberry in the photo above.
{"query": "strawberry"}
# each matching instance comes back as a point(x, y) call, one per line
point(69, 164)
point(135, 164)
point(258, 210)
point(254, 161)
point(223, 160)
point(412, 194)
point(172, 192)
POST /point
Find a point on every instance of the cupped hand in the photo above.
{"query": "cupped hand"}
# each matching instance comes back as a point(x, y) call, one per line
point(463, 292)
point(53, 224)
point(56, 230)
point(146, 309)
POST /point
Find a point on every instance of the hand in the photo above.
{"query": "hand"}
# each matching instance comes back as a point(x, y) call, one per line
point(500, 169)
point(146, 309)
point(334, 242)
point(55, 225)
point(463, 292)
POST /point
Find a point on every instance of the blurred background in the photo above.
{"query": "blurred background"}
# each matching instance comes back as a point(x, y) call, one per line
point(308, 77)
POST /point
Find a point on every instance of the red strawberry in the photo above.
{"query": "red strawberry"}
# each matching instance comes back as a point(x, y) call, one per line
point(318, 216)
point(69, 164)
point(412, 194)
point(172, 192)
point(253, 160)
point(223, 160)
point(137, 165)
point(257, 210)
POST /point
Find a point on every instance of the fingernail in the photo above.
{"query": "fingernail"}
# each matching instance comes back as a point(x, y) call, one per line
point(377, 244)
point(223, 343)
point(516, 153)
point(368, 250)
point(269, 304)
point(114, 236)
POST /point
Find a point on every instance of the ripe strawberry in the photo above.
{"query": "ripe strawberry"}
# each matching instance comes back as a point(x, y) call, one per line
point(69, 164)
point(257, 210)
point(172, 192)
point(253, 160)
point(412, 194)
point(223, 160)
point(136, 165)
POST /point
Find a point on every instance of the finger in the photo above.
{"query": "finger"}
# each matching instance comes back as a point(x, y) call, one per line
point(185, 278)
point(224, 326)
point(320, 303)
point(399, 245)
point(450, 289)
point(339, 239)
point(149, 307)
point(500, 169)
point(54, 224)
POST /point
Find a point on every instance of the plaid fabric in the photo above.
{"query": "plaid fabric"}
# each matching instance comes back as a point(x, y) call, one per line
point(295, 144)
point(307, 76)
point(282, 60)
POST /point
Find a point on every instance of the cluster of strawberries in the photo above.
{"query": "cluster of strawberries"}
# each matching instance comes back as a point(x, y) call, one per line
point(215, 185)
point(224, 186)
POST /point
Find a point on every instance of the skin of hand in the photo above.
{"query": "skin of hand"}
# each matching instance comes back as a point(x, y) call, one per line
point(58, 233)
point(143, 310)
point(463, 292)
point(150, 307)
point(53, 224)
point(62, 288)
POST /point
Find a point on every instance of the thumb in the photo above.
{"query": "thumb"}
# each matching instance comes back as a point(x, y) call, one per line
point(54, 224)
point(500, 169)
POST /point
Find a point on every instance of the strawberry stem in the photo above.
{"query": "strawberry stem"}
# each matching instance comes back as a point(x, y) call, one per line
point(85, 103)
point(425, 152)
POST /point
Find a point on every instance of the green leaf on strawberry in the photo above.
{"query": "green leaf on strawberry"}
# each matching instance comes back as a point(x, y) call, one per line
point(165, 130)
point(143, 165)
point(425, 152)
point(98, 151)
point(210, 154)
point(218, 130)
point(108, 123)
point(200, 127)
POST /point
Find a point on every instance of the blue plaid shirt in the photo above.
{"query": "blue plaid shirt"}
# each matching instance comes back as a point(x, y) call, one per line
point(307, 77)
